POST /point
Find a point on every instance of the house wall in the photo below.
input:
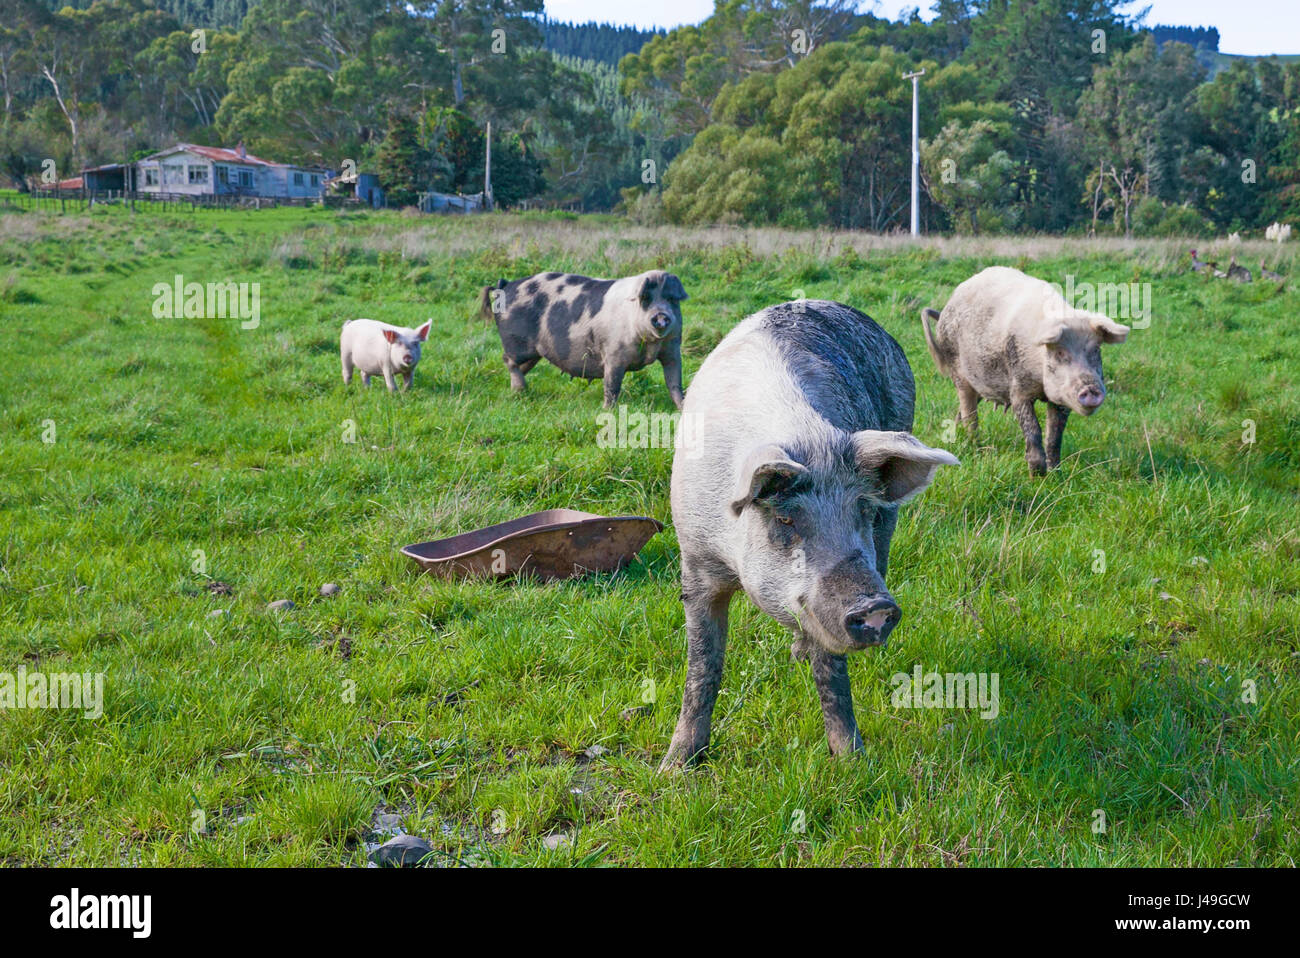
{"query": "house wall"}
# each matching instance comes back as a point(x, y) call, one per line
point(286, 180)
point(194, 175)
point(241, 179)
point(179, 173)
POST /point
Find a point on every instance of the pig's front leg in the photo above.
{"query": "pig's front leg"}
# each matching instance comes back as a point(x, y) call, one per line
point(831, 673)
point(1056, 419)
point(409, 377)
point(613, 384)
point(389, 380)
point(671, 360)
point(1028, 419)
point(706, 645)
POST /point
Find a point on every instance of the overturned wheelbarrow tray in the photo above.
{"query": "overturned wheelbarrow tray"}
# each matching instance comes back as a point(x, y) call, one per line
point(555, 544)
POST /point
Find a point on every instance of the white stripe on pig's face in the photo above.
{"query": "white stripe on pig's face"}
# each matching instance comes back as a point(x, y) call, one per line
point(405, 346)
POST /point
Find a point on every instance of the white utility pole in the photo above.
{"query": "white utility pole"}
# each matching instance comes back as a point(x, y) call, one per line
point(916, 155)
point(487, 171)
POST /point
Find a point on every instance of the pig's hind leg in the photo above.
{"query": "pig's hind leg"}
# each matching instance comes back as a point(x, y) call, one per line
point(347, 369)
point(518, 369)
point(968, 401)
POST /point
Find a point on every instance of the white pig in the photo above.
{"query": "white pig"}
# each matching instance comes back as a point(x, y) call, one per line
point(378, 349)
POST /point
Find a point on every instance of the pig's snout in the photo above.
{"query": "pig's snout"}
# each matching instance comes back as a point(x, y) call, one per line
point(871, 623)
point(1090, 397)
point(661, 321)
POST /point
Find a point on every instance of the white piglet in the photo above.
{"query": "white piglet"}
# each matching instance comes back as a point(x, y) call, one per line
point(378, 349)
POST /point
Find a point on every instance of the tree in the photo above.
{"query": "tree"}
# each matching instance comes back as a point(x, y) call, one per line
point(399, 163)
point(1138, 115)
point(970, 173)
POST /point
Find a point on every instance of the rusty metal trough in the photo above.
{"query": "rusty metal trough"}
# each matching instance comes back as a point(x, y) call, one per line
point(555, 544)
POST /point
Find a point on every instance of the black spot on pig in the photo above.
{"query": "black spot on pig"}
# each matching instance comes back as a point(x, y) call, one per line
point(592, 298)
point(839, 356)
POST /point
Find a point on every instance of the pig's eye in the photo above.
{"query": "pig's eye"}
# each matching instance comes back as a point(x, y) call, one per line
point(785, 520)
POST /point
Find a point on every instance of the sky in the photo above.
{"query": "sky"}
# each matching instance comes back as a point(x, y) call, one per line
point(1254, 27)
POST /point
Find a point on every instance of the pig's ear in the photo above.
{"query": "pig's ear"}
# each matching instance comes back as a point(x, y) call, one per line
point(1107, 330)
point(767, 471)
point(900, 463)
point(673, 288)
point(641, 290)
point(423, 332)
point(390, 335)
point(1052, 334)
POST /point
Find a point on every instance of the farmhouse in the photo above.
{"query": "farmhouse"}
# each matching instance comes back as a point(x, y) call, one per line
point(216, 171)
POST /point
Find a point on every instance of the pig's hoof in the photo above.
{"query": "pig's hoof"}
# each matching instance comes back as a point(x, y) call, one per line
point(799, 651)
point(679, 759)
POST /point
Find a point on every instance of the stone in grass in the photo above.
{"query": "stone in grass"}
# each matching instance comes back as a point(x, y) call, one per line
point(218, 613)
point(596, 751)
point(280, 605)
point(329, 588)
point(635, 712)
point(554, 842)
point(404, 851)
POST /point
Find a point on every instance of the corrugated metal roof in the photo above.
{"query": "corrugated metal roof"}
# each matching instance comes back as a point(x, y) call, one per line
point(218, 153)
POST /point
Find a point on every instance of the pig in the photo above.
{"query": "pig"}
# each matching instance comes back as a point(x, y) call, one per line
point(1012, 339)
point(590, 328)
point(378, 349)
point(794, 455)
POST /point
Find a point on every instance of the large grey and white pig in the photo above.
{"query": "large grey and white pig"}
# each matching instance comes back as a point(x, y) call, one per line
point(794, 454)
point(378, 349)
point(590, 328)
point(1014, 340)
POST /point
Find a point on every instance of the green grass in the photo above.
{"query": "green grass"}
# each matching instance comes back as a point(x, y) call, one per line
point(469, 707)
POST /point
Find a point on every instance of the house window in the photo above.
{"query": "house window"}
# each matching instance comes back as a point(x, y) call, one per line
point(315, 180)
point(246, 179)
point(151, 176)
point(297, 179)
point(198, 175)
point(173, 174)
point(223, 174)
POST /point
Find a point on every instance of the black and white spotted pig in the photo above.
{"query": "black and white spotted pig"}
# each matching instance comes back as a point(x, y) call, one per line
point(590, 328)
point(796, 454)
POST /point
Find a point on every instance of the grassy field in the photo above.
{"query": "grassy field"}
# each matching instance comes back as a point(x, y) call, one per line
point(1157, 684)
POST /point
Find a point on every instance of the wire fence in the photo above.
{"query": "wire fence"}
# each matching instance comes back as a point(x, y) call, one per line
point(77, 201)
